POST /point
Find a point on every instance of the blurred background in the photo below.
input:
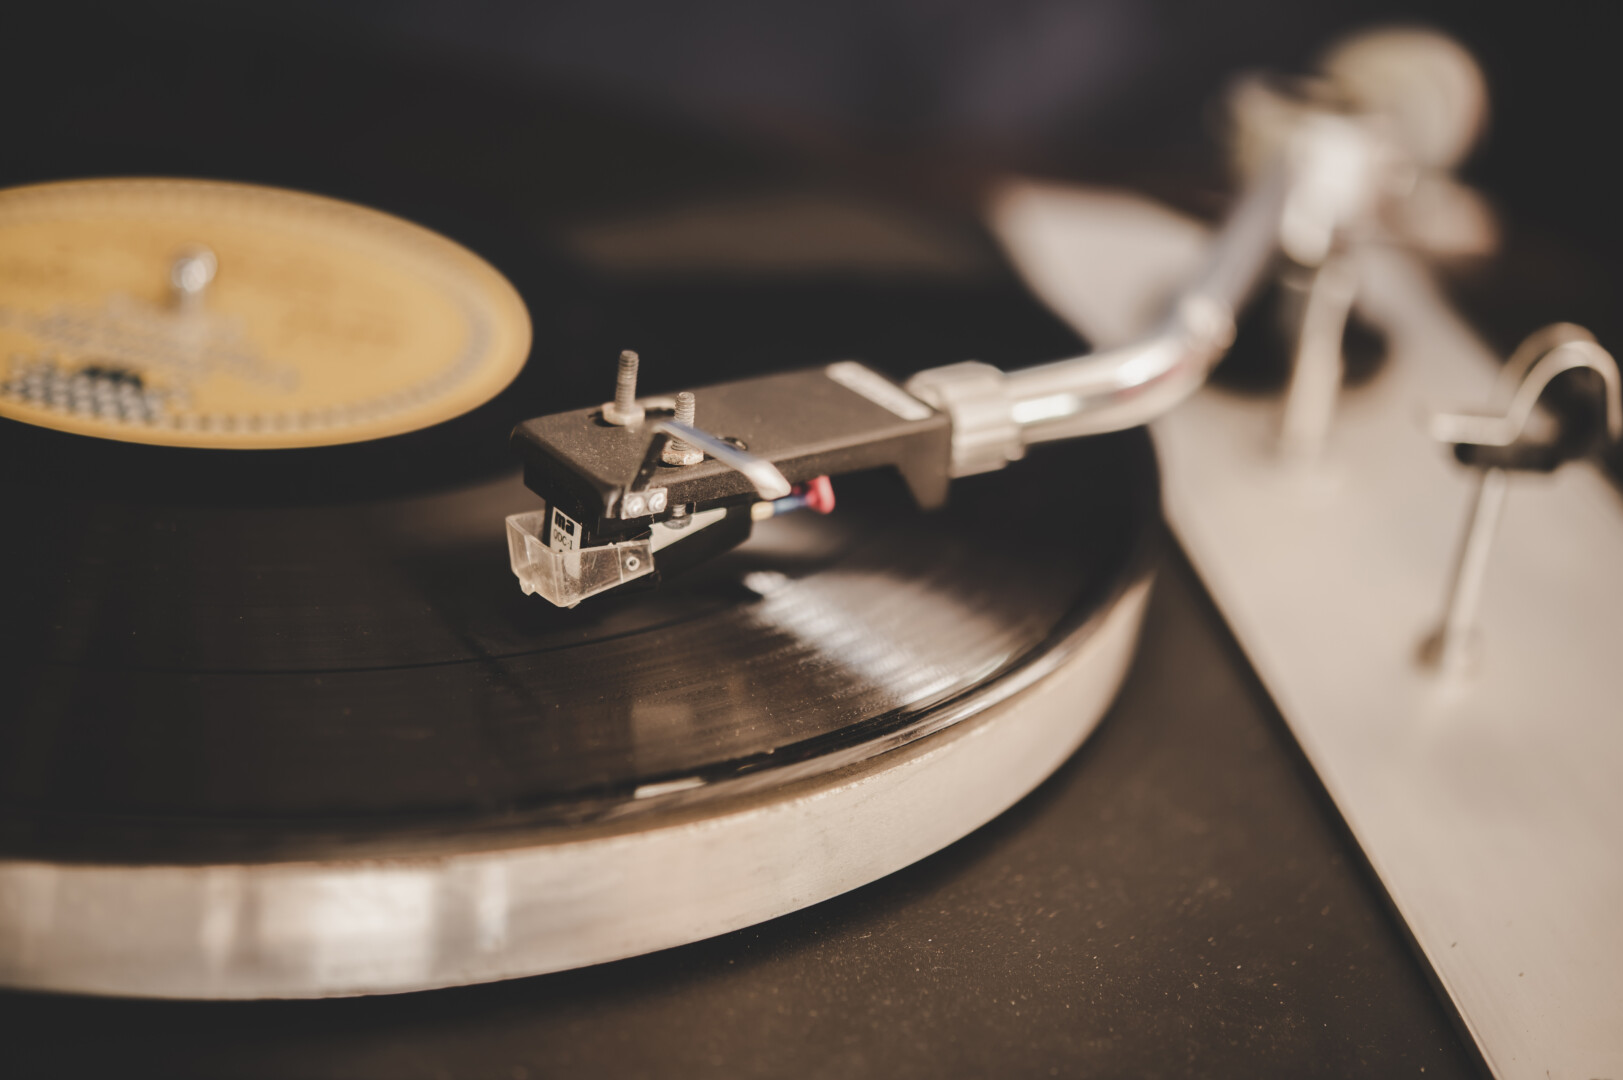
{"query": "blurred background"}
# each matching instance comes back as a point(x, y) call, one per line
point(1065, 86)
point(1074, 87)
point(645, 172)
point(923, 99)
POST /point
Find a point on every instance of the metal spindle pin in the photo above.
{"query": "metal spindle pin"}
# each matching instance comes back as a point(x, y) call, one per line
point(190, 276)
point(678, 451)
point(624, 410)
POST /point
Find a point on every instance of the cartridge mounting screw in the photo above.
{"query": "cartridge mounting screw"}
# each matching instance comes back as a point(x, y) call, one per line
point(678, 451)
point(624, 410)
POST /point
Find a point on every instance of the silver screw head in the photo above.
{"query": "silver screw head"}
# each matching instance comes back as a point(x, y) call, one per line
point(634, 506)
point(656, 502)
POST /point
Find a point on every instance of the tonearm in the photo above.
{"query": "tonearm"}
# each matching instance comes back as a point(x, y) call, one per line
point(636, 488)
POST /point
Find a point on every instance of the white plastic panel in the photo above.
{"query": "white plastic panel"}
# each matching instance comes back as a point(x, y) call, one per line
point(1491, 808)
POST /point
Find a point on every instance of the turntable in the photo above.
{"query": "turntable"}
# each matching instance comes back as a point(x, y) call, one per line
point(776, 613)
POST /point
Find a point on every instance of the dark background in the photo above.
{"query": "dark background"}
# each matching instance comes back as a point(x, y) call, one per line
point(1065, 86)
point(1062, 86)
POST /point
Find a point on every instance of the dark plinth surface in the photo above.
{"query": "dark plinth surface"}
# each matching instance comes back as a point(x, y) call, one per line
point(1178, 900)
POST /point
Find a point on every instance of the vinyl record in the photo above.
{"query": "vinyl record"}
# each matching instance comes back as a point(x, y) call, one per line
point(201, 683)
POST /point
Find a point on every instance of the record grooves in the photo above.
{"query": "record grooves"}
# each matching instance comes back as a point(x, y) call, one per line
point(295, 760)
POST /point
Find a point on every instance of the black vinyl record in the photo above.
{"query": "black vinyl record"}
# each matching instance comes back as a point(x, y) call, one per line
point(196, 682)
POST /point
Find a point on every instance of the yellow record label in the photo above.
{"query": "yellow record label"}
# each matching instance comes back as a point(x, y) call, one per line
point(195, 313)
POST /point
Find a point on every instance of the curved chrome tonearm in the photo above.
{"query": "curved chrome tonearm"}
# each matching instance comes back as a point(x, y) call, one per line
point(996, 414)
point(1332, 161)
